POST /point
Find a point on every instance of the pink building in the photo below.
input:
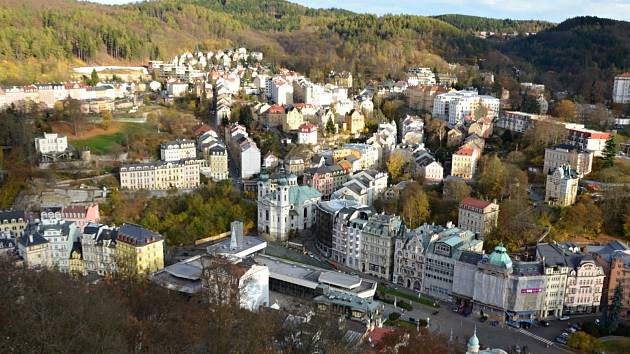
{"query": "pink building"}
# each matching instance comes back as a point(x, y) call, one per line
point(82, 214)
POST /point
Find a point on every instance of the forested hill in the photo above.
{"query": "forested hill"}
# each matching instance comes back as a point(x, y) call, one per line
point(476, 24)
point(582, 54)
point(40, 39)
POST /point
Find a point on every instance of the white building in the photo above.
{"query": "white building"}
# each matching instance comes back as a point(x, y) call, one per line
point(281, 92)
point(99, 249)
point(420, 76)
point(346, 235)
point(364, 187)
point(179, 149)
point(587, 139)
point(412, 130)
point(307, 134)
point(561, 187)
point(478, 216)
point(177, 89)
point(369, 155)
point(455, 106)
point(563, 154)
point(621, 89)
point(160, 175)
point(51, 143)
point(284, 207)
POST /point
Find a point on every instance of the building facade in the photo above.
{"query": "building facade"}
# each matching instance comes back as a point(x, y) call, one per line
point(561, 187)
point(180, 149)
point(579, 160)
point(478, 216)
point(378, 242)
point(464, 162)
point(138, 250)
point(160, 175)
point(621, 89)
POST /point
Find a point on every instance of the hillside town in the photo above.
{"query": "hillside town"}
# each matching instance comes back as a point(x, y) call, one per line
point(416, 202)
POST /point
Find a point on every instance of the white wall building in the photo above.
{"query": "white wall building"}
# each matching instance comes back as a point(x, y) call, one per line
point(307, 134)
point(364, 187)
point(621, 89)
point(454, 106)
point(51, 143)
point(179, 149)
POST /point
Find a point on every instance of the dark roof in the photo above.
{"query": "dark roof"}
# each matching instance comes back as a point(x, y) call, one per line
point(137, 235)
point(527, 268)
point(471, 257)
point(32, 239)
point(12, 214)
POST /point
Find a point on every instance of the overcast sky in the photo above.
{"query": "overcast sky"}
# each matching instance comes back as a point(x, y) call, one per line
point(550, 10)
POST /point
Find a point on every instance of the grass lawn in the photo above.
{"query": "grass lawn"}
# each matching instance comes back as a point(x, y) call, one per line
point(404, 295)
point(103, 144)
point(614, 344)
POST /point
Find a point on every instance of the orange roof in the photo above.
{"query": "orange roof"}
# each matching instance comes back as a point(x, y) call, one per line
point(276, 109)
point(475, 203)
point(204, 128)
point(307, 127)
point(377, 334)
point(625, 75)
point(465, 150)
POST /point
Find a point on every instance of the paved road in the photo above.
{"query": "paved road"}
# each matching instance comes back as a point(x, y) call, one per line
point(447, 322)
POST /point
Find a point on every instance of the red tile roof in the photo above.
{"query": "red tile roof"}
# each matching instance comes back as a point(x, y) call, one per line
point(475, 203)
point(377, 334)
point(308, 128)
point(465, 150)
point(625, 75)
point(275, 109)
point(204, 128)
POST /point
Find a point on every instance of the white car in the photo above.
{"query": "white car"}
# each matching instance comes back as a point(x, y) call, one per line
point(571, 330)
point(565, 318)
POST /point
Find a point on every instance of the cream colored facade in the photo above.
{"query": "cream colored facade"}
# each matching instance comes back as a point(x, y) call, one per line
point(218, 164)
point(13, 222)
point(584, 287)
point(478, 216)
point(562, 185)
point(178, 150)
point(292, 120)
point(464, 164)
point(355, 122)
point(161, 175)
point(579, 160)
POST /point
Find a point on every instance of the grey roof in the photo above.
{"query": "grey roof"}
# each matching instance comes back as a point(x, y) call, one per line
point(614, 249)
point(557, 255)
point(12, 214)
point(138, 234)
point(470, 257)
point(527, 268)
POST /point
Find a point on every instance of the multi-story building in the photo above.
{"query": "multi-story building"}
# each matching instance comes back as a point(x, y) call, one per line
point(347, 234)
point(621, 89)
point(292, 120)
point(160, 175)
point(428, 168)
point(138, 250)
point(364, 187)
point(367, 154)
point(561, 187)
point(422, 97)
point(412, 128)
point(179, 149)
point(442, 252)
point(420, 76)
point(99, 249)
point(307, 134)
point(585, 283)
point(495, 286)
point(556, 270)
point(326, 179)
point(354, 122)
point(243, 150)
point(478, 216)
point(409, 257)
point(81, 214)
point(215, 154)
point(464, 162)
point(281, 92)
point(563, 154)
point(455, 106)
point(587, 139)
point(378, 242)
point(51, 143)
point(285, 207)
point(12, 222)
point(518, 121)
point(325, 222)
point(614, 258)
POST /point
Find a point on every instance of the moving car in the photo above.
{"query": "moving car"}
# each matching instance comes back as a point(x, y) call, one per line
point(565, 318)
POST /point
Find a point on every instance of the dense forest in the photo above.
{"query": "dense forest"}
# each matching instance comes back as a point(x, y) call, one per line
point(476, 24)
point(42, 38)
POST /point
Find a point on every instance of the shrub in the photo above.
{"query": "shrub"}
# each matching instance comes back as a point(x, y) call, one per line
point(394, 316)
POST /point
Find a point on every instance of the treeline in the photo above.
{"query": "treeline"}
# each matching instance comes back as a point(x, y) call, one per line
point(50, 312)
point(182, 219)
point(476, 24)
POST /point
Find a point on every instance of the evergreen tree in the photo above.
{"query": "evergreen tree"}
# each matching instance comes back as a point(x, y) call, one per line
point(94, 79)
point(330, 127)
point(613, 311)
point(530, 105)
point(610, 150)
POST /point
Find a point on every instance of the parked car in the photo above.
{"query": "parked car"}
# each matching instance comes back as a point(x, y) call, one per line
point(526, 325)
point(513, 324)
point(576, 326)
point(564, 335)
point(411, 319)
point(561, 340)
point(565, 318)
point(544, 323)
point(435, 313)
point(571, 330)
point(483, 319)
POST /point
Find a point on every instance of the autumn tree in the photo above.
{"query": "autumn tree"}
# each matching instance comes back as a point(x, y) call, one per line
point(72, 113)
point(583, 342)
point(565, 110)
point(583, 218)
point(491, 176)
point(456, 189)
point(106, 120)
point(409, 341)
point(396, 164)
point(414, 205)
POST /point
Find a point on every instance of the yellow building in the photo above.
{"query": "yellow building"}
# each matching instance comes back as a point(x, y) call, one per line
point(464, 164)
point(292, 120)
point(75, 264)
point(138, 250)
point(354, 122)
